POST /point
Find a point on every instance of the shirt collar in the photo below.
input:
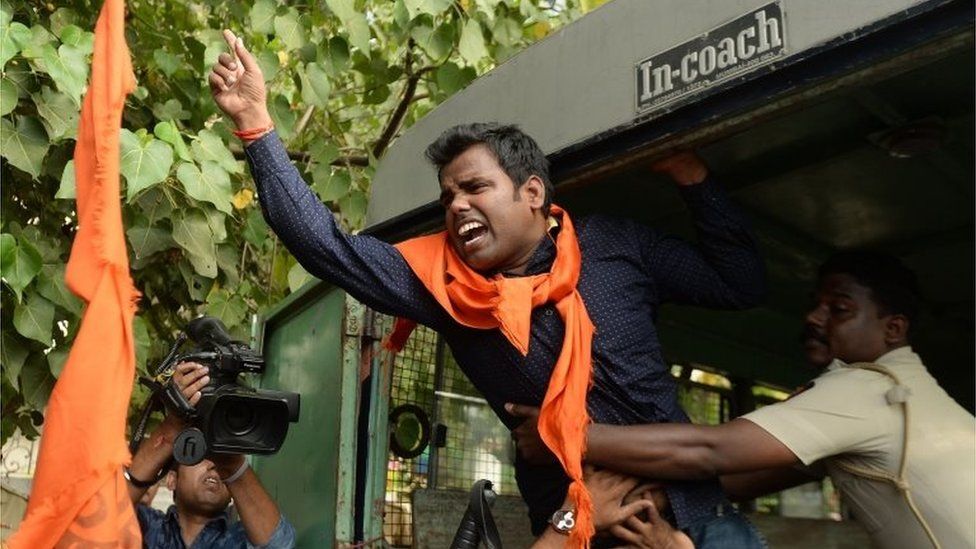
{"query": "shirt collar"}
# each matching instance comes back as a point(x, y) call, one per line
point(545, 252)
point(902, 356)
point(220, 521)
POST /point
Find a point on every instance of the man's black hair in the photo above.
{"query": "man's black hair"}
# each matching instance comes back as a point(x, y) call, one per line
point(894, 287)
point(517, 153)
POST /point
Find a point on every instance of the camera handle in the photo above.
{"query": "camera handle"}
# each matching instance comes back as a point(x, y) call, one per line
point(478, 525)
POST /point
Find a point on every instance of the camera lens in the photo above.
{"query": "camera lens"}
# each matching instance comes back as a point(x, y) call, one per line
point(240, 418)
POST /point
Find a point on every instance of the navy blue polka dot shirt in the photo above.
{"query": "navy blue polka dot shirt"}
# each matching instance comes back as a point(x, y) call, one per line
point(627, 271)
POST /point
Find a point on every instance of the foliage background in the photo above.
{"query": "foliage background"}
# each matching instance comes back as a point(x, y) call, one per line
point(345, 78)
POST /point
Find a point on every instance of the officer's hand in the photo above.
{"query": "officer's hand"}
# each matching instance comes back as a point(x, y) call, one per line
point(655, 534)
point(607, 490)
point(527, 440)
point(685, 168)
point(190, 378)
point(238, 86)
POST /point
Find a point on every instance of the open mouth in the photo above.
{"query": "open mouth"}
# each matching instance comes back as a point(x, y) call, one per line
point(212, 481)
point(472, 233)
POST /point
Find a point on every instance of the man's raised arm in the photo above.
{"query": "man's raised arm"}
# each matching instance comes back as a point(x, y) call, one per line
point(371, 270)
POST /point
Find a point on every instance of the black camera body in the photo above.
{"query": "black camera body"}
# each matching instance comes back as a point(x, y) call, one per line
point(230, 418)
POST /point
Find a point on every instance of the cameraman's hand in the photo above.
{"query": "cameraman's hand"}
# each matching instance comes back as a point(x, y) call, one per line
point(191, 377)
point(237, 85)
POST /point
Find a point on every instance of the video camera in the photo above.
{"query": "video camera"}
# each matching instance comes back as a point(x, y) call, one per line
point(230, 418)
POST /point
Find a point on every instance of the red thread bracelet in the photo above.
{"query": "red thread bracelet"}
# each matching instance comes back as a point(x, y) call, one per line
point(253, 133)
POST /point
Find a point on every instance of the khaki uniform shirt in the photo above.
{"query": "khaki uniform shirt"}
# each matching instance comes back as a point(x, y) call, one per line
point(845, 416)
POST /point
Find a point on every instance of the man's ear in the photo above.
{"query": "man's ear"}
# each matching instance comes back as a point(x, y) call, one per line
point(896, 330)
point(171, 481)
point(534, 191)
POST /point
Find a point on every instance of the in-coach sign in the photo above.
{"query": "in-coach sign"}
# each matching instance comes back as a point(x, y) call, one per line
point(740, 45)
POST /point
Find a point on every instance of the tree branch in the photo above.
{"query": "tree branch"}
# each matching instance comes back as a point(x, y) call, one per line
point(396, 117)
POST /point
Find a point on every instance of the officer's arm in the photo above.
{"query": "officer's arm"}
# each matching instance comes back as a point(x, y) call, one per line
point(745, 486)
point(685, 451)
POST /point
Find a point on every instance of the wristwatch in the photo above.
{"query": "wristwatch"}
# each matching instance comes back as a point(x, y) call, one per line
point(563, 520)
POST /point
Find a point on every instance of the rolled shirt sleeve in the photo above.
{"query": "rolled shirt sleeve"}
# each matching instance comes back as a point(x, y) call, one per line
point(839, 414)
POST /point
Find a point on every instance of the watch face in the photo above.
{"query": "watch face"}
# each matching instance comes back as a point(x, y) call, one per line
point(563, 520)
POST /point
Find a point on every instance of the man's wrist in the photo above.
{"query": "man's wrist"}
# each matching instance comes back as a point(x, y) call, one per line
point(253, 119)
point(229, 464)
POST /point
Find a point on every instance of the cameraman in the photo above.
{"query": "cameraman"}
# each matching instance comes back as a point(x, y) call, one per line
point(203, 492)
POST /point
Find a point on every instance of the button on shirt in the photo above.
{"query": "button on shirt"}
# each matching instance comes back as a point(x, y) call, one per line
point(627, 271)
point(162, 531)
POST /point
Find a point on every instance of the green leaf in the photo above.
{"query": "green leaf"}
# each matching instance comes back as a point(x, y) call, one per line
point(7, 13)
point(262, 17)
point(197, 286)
point(13, 38)
point(472, 45)
point(208, 146)
point(449, 78)
point(74, 35)
point(12, 356)
point(315, 85)
point(140, 332)
point(67, 188)
point(338, 54)
point(48, 246)
point(218, 225)
point(354, 23)
point(376, 95)
point(38, 44)
point(297, 277)
point(330, 186)
point(59, 112)
point(323, 151)
point(256, 228)
point(269, 64)
point(230, 309)
point(228, 258)
point(192, 232)
point(353, 207)
point(50, 284)
point(144, 163)
point(8, 97)
point(288, 28)
point(34, 319)
point(8, 250)
point(167, 62)
point(436, 43)
point(24, 145)
point(167, 132)
point(431, 7)
point(170, 110)
point(284, 118)
point(155, 204)
point(68, 67)
point(36, 381)
point(61, 19)
point(147, 240)
point(22, 262)
point(507, 32)
point(56, 359)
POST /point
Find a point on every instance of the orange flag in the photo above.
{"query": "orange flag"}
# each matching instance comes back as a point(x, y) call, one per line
point(79, 497)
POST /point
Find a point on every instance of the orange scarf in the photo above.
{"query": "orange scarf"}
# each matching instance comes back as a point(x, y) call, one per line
point(506, 304)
